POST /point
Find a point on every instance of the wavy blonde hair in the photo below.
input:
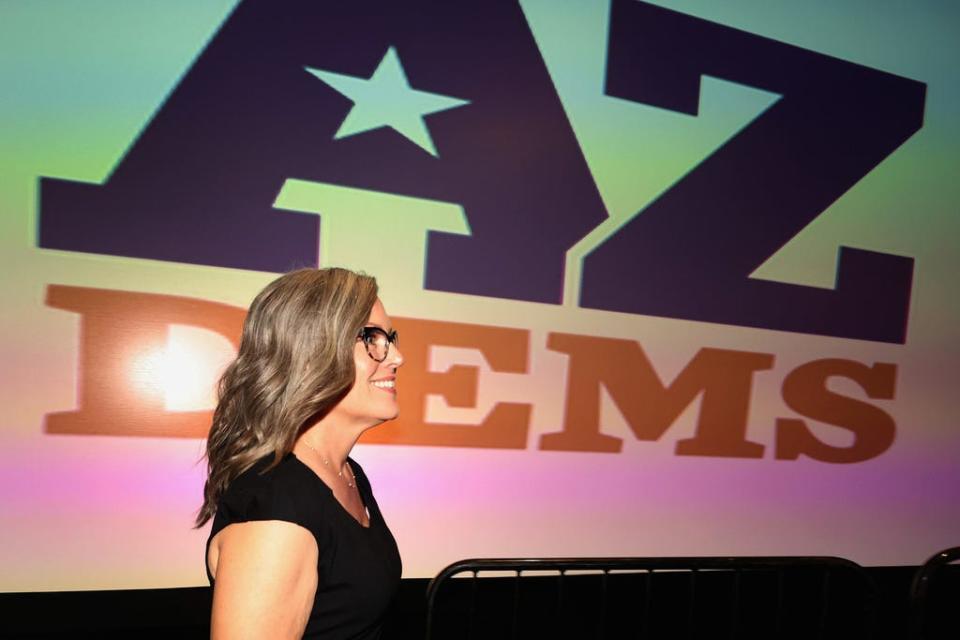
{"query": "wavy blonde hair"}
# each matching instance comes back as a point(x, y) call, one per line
point(294, 364)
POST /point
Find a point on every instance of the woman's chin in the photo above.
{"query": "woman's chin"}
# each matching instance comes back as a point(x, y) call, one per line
point(385, 416)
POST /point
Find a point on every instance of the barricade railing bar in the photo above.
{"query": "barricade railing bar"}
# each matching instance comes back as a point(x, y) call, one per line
point(921, 589)
point(654, 585)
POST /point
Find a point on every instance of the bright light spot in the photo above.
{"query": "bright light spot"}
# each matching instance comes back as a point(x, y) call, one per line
point(184, 374)
point(193, 363)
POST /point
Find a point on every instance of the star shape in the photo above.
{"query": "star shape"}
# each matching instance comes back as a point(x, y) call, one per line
point(386, 99)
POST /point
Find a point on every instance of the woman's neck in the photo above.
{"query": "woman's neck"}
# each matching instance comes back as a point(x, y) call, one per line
point(332, 444)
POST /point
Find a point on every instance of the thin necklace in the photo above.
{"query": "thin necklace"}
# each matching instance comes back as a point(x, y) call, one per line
point(326, 463)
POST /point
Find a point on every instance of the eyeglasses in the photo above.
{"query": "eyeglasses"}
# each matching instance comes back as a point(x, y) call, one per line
point(377, 342)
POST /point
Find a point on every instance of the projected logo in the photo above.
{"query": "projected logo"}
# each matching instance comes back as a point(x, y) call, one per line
point(452, 103)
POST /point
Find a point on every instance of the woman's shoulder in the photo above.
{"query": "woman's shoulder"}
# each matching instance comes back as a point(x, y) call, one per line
point(266, 472)
point(268, 491)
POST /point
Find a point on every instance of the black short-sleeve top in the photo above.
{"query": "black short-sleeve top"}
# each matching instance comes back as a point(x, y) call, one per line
point(358, 569)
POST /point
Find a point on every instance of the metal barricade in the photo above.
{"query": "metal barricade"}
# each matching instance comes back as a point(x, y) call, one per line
point(683, 597)
point(923, 590)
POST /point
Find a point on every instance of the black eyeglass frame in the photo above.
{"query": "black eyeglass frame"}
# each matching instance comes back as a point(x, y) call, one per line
point(366, 334)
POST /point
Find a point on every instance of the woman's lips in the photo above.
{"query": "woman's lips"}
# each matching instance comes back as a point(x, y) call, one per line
point(386, 384)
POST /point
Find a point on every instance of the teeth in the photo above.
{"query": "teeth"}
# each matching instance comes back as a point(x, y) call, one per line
point(385, 384)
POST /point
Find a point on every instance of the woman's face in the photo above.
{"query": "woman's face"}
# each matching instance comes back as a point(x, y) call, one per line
point(373, 398)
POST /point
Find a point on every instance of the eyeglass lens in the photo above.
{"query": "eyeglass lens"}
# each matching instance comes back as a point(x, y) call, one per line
point(378, 342)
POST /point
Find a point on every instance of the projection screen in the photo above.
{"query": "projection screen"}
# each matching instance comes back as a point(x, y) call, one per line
point(671, 278)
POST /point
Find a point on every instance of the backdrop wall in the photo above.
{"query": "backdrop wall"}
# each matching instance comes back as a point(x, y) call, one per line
point(671, 278)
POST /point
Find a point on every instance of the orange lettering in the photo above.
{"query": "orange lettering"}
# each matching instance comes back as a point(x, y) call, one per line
point(505, 427)
point(805, 391)
point(116, 329)
point(723, 377)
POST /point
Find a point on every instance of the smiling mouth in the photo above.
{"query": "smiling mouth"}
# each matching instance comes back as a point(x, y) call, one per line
point(386, 385)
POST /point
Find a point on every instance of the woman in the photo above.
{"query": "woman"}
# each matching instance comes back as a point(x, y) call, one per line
point(298, 546)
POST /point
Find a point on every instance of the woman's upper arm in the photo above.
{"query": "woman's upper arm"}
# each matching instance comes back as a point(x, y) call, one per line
point(266, 579)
